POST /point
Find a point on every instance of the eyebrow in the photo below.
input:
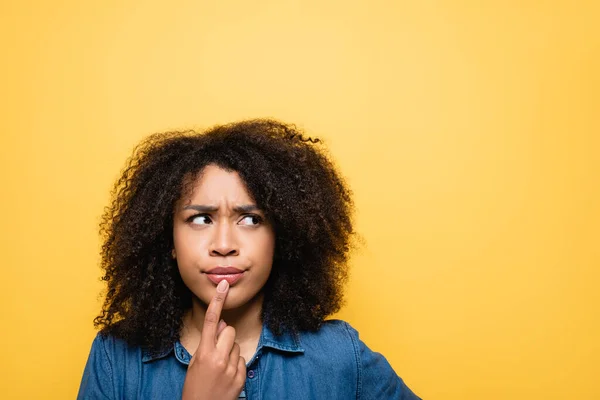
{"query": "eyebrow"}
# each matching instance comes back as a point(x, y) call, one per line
point(244, 208)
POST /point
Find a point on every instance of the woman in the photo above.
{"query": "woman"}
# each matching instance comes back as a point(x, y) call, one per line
point(223, 254)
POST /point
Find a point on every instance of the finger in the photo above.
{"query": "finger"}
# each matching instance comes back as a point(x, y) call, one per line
point(225, 342)
point(234, 355)
point(220, 327)
point(240, 375)
point(213, 314)
point(241, 369)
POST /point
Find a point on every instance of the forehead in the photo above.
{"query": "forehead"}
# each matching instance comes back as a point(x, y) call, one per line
point(214, 185)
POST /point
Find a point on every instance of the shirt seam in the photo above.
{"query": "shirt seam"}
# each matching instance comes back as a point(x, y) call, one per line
point(358, 362)
point(108, 364)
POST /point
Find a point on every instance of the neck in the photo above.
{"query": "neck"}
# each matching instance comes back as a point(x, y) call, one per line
point(245, 319)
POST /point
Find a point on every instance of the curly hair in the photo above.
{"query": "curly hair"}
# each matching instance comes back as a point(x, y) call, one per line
point(291, 179)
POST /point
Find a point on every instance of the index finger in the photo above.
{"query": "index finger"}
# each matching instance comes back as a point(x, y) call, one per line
point(213, 315)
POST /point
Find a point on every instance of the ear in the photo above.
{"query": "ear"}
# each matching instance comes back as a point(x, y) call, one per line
point(173, 253)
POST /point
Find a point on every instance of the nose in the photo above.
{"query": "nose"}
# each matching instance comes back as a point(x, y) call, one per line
point(224, 243)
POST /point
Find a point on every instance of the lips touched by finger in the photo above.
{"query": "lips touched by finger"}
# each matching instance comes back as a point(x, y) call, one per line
point(229, 274)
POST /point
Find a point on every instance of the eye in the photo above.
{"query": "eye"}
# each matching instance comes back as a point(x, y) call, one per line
point(200, 219)
point(251, 219)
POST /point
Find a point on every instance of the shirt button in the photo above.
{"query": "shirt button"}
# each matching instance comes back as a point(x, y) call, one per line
point(251, 374)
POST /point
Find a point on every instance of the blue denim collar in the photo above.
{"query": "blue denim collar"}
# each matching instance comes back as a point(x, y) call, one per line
point(287, 342)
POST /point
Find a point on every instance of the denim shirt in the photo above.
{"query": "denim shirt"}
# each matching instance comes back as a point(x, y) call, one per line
point(331, 363)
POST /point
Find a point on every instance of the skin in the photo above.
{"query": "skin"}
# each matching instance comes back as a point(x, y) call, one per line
point(216, 371)
point(219, 225)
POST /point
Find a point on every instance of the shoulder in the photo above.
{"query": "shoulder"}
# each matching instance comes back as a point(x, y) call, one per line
point(335, 345)
point(339, 335)
point(376, 379)
point(115, 351)
point(111, 344)
point(112, 369)
point(332, 332)
point(102, 368)
point(333, 328)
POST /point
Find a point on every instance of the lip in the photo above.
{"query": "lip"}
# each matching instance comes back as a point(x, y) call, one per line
point(224, 271)
point(230, 274)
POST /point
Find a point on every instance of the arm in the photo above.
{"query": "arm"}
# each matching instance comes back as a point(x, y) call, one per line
point(96, 382)
point(377, 379)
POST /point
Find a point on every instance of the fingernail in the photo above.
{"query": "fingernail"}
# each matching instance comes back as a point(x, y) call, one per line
point(222, 286)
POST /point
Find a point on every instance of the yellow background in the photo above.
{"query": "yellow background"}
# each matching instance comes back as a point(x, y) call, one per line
point(469, 131)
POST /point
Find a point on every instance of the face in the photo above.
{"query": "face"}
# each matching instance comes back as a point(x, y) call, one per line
point(219, 233)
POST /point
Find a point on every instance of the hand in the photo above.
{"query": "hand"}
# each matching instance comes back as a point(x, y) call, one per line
point(216, 371)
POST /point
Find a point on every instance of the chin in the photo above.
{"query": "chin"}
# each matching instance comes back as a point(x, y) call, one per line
point(236, 298)
point(233, 302)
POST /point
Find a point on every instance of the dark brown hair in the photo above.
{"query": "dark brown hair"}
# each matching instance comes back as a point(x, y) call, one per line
point(292, 180)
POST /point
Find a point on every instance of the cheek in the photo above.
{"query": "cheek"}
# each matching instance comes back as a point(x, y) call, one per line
point(189, 270)
point(188, 244)
point(188, 252)
point(263, 246)
point(265, 258)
